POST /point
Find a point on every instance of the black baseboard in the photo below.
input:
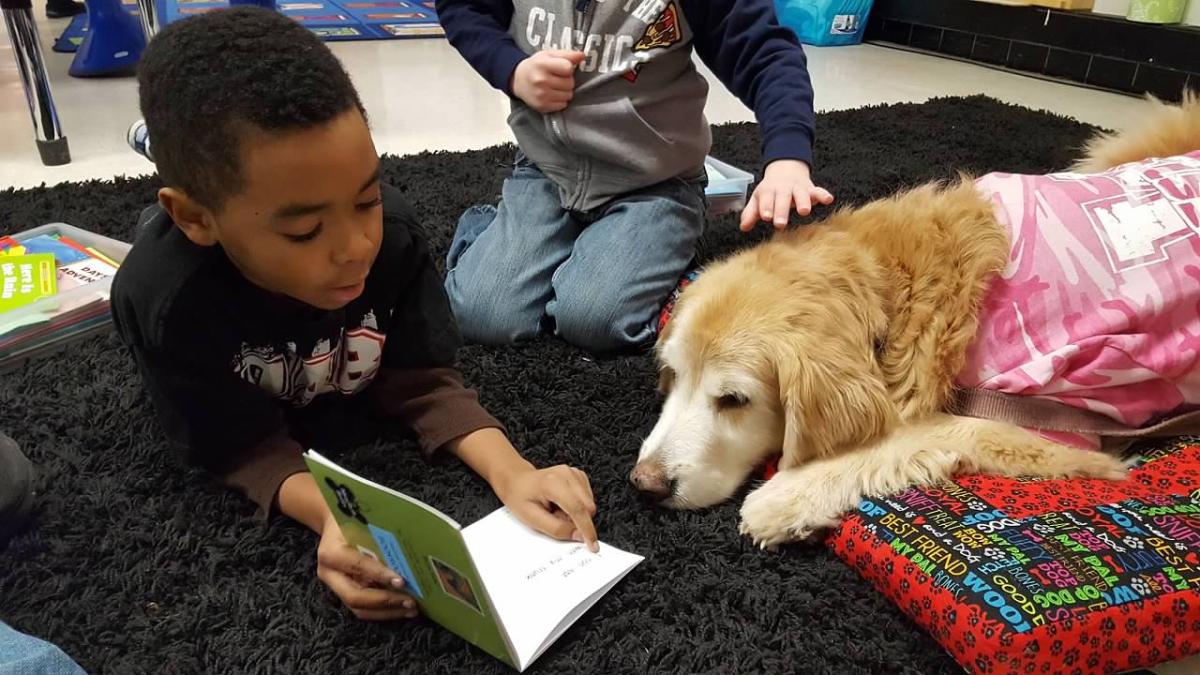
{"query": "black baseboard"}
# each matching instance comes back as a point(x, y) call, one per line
point(1102, 51)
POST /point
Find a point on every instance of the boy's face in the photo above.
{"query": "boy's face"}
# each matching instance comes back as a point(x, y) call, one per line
point(308, 221)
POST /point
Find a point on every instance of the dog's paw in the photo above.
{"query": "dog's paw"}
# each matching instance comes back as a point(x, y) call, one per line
point(780, 512)
point(1103, 465)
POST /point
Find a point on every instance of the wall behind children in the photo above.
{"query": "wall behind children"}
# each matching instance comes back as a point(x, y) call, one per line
point(1120, 7)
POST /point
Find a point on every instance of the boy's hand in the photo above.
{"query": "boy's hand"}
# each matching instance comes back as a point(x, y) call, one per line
point(546, 80)
point(557, 502)
point(785, 182)
point(366, 586)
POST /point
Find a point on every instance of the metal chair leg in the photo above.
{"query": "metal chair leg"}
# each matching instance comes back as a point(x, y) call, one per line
point(148, 13)
point(22, 32)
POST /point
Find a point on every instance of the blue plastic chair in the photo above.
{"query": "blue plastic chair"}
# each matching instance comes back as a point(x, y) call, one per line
point(114, 41)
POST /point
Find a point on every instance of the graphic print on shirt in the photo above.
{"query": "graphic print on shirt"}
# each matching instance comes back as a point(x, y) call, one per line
point(1156, 205)
point(664, 32)
point(346, 366)
point(607, 52)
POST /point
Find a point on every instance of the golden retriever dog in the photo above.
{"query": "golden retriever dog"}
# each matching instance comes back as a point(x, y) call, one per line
point(837, 346)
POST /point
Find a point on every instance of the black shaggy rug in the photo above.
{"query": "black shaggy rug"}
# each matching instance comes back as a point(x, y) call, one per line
point(136, 565)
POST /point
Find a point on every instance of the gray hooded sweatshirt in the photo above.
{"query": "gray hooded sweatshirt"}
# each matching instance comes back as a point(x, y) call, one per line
point(637, 117)
point(638, 113)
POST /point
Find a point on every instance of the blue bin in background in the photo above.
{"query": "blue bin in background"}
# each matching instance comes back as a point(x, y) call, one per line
point(825, 22)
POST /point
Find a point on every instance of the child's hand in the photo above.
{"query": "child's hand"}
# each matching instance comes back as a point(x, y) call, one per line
point(546, 80)
point(367, 587)
point(785, 182)
point(557, 502)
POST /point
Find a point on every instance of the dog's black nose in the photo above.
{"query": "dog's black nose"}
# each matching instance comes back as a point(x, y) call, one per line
point(651, 481)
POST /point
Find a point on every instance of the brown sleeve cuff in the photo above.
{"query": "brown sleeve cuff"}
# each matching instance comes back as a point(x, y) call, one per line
point(263, 469)
point(432, 402)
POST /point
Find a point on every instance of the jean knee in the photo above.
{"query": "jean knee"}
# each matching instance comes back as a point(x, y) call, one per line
point(601, 324)
point(471, 224)
point(486, 316)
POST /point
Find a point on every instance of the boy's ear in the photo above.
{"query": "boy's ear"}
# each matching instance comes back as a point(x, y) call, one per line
point(195, 220)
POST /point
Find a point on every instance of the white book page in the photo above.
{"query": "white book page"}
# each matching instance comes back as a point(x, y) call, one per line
point(539, 586)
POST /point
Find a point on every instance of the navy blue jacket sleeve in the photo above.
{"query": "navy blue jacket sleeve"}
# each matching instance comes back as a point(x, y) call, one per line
point(762, 63)
point(478, 29)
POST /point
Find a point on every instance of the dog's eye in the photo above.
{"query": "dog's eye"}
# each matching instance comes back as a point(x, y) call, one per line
point(731, 401)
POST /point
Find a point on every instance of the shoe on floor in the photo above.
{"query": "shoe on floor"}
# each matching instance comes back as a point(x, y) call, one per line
point(16, 489)
point(139, 139)
point(62, 9)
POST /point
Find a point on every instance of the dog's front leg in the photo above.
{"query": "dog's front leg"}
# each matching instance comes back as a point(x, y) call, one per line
point(802, 501)
point(798, 503)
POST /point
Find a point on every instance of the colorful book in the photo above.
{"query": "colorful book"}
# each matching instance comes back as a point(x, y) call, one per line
point(83, 273)
point(64, 253)
point(78, 265)
point(25, 279)
point(79, 298)
point(505, 588)
point(86, 250)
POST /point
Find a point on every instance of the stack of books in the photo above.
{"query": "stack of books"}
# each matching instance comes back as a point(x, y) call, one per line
point(54, 288)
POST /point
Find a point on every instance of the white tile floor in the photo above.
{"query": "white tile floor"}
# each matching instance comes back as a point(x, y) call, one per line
point(422, 96)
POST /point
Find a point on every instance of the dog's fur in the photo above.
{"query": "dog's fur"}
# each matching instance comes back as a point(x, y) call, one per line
point(838, 344)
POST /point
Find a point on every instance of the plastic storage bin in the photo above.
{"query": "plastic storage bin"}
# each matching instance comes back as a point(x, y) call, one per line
point(825, 23)
point(60, 335)
point(727, 187)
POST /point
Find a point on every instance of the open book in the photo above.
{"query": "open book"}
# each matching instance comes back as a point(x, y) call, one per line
point(507, 589)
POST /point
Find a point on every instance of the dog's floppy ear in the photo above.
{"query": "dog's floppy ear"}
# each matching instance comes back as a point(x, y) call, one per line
point(831, 402)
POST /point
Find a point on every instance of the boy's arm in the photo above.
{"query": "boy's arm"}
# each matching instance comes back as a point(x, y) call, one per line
point(433, 402)
point(419, 385)
point(478, 30)
point(762, 63)
point(447, 416)
point(228, 427)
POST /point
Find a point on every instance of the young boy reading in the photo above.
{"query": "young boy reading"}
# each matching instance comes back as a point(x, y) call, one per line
point(606, 202)
point(280, 287)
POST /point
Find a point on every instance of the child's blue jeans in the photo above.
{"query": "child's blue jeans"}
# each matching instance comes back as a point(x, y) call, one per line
point(21, 654)
point(597, 278)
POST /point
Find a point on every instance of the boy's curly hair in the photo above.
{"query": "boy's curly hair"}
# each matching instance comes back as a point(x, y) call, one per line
point(205, 81)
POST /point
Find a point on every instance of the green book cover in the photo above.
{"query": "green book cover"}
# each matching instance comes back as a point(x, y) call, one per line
point(25, 279)
point(422, 545)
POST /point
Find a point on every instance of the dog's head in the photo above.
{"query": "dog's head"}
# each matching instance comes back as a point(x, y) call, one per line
point(770, 351)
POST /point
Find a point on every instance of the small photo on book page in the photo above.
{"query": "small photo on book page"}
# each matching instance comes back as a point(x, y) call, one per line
point(455, 584)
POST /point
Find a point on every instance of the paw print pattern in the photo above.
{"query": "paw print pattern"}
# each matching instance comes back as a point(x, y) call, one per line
point(1177, 471)
point(1092, 637)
